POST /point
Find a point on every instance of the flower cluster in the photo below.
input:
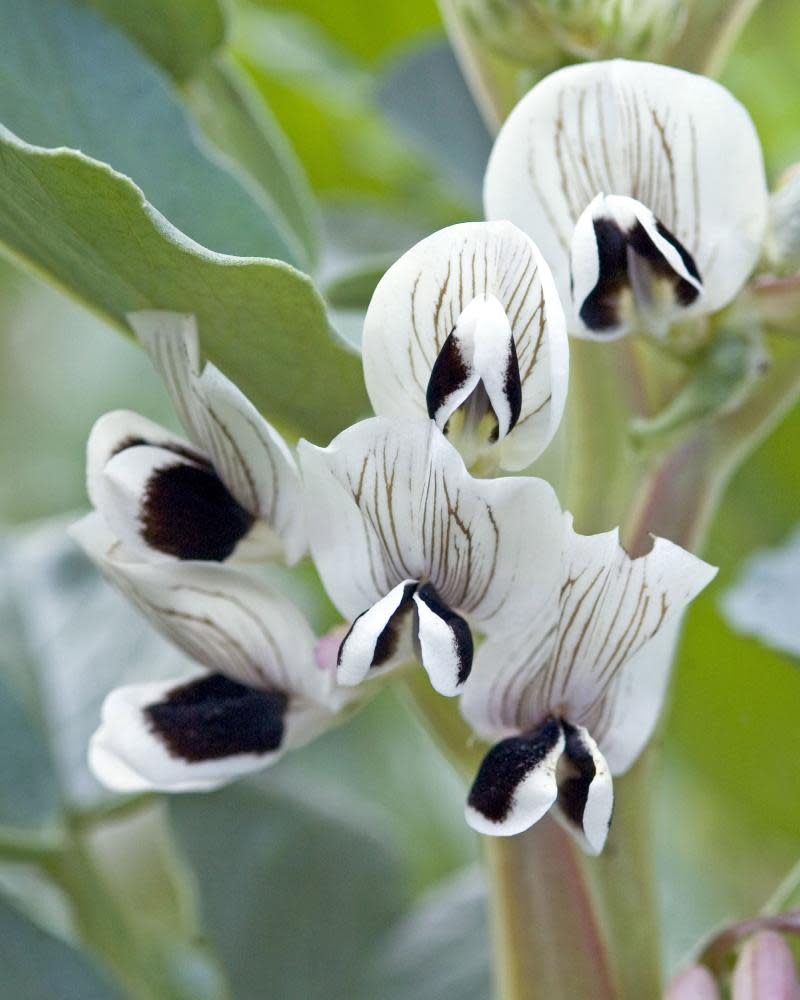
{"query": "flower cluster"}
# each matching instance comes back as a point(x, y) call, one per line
point(557, 644)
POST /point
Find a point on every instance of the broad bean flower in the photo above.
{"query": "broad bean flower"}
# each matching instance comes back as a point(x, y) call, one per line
point(231, 489)
point(573, 696)
point(260, 692)
point(412, 549)
point(644, 188)
point(467, 328)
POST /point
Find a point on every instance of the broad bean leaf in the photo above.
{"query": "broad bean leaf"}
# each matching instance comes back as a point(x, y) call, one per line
point(261, 321)
point(72, 79)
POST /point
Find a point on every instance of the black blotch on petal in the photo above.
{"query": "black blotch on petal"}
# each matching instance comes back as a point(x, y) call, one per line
point(188, 513)
point(506, 766)
point(685, 291)
point(573, 790)
point(599, 310)
point(462, 637)
point(448, 374)
point(512, 385)
point(215, 717)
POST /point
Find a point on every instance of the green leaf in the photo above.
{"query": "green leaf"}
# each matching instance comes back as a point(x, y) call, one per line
point(262, 322)
point(180, 35)
point(37, 965)
point(233, 116)
point(294, 896)
point(71, 79)
point(440, 949)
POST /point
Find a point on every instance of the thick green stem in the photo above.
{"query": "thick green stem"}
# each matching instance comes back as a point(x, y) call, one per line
point(548, 938)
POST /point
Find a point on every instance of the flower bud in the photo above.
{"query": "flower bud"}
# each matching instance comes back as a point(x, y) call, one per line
point(694, 983)
point(765, 970)
point(783, 234)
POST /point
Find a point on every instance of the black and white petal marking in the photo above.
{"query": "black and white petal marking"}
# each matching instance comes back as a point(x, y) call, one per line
point(178, 504)
point(516, 783)
point(477, 368)
point(627, 267)
point(215, 717)
point(585, 792)
point(378, 635)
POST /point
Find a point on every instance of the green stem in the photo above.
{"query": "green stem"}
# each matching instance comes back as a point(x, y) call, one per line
point(549, 942)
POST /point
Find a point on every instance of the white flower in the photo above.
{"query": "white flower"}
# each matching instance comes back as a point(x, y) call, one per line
point(574, 695)
point(260, 693)
point(233, 487)
point(409, 546)
point(467, 328)
point(643, 186)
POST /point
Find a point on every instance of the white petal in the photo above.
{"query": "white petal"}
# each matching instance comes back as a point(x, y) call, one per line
point(249, 455)
point(170, 339)
point(695, 983)
point(226, 619)
point(516, 783)
point(581, 654)
point(585, 790)
point(445, 642)
point(252, 459)
point(418, 303)
point(113, 433)
point(377, 635)
point(765, 969)
point(152, 736)
point(654, 133)
point(389, 501)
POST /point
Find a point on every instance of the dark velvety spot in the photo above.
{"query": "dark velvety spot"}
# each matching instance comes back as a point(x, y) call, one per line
point(448, 374)
point(462, 637)
point(506, 766)
point(685, 291)
point(599, 310)
point(573, 790)
point(215, 717)
point(188, 513)
point(512, 385)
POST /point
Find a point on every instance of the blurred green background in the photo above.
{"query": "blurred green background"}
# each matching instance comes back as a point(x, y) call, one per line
point(348, 870)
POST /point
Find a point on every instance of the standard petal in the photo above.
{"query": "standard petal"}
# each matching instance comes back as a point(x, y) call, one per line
point(653, 133)
point(161, 503)
point(516, 783)
point(191, 734)
point(248, 454)
point(585, 790)
point(226, 619)
point(445, 642)
point(389, 501)
point(596, 651)
point(417, 306)
point(378, 636)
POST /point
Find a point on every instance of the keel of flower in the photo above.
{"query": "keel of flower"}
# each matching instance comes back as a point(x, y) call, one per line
point(261, 691)
point(467, 328)
point(674, 232)
point(573, 697)
point(414, 551)
point(230, 490)
point(627, 271)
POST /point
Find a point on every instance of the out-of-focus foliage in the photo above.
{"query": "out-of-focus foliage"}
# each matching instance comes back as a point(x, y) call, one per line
point(322, 863)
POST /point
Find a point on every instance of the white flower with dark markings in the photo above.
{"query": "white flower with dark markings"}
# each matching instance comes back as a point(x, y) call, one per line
point(467, 328)
point(261, 691)
point(232, 488)
point(643, 186)
point(573, 696)
point(412, 549)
